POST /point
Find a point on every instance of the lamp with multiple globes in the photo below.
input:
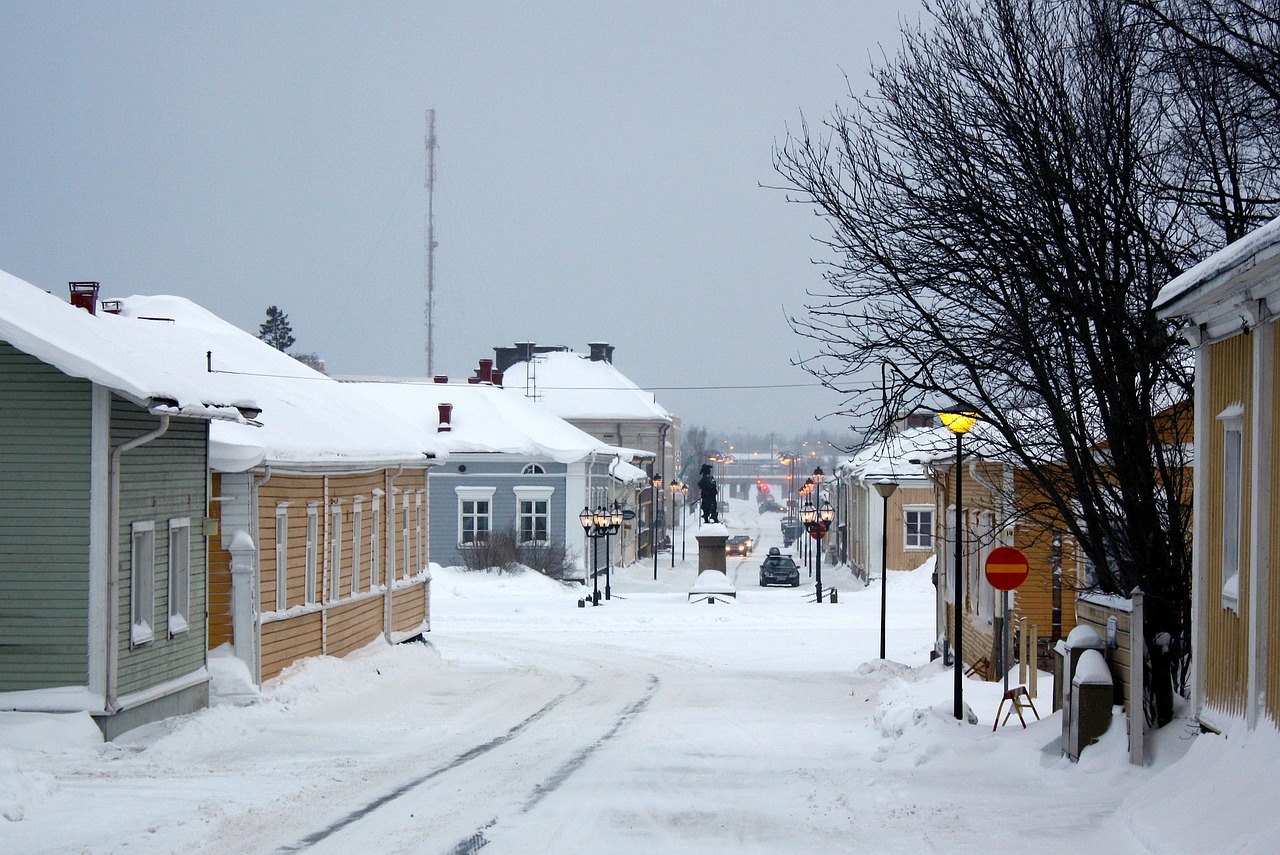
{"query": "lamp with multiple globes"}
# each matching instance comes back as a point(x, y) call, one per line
point(602, 522)
point(817, 521)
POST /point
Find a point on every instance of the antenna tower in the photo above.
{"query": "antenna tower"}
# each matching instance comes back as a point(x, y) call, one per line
point(431, 240)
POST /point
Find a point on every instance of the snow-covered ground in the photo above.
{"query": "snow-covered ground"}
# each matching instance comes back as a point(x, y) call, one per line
point(647, 725)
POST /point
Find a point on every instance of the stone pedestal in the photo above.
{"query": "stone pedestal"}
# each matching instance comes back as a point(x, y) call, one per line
point(713, 583)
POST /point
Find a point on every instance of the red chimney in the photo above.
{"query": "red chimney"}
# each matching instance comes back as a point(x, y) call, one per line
point(446, 418)
point(84, 295)
point(441, 378)
point(497, 378)
point(485, 372)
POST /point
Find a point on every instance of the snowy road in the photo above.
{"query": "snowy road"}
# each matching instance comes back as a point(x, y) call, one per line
point(648, 725)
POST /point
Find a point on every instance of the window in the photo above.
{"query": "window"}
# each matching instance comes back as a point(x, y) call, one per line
point(357, 545)
point(917, 521)
point(282, 557)
point(475, 514)
point(375, 542)
point(533, 469)
point(391, 538)
point(420, 563)
point(1232, 419)
point(313, 532)
point(142, 582)
point(533, 508)
point(405, 531)
point(335, 552)
point(179, 575)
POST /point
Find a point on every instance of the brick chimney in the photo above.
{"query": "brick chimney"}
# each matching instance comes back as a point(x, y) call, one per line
point(601, 351)
point(84, 295)
point(446, 418)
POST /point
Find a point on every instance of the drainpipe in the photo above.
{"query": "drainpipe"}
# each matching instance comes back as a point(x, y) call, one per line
point(113, 555)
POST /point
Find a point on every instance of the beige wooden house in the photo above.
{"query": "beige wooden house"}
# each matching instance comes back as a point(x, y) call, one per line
point(322, 510)
point(1225, 305)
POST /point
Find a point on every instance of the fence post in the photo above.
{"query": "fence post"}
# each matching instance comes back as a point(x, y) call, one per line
point(1033, 658)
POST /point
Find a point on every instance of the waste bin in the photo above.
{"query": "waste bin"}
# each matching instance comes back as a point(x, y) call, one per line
point(1091, 696)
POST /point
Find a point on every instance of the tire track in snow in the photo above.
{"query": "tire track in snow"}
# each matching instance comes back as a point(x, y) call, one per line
point(477, 841)
point(463, 758)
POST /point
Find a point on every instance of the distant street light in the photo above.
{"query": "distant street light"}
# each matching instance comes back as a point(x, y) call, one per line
point(675, 488)
point(885, 489)
point(653, 521)
point(959, 424)
point(816, 522)
point(684, 517)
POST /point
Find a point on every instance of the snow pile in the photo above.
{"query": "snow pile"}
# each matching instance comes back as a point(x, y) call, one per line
point(32, 745)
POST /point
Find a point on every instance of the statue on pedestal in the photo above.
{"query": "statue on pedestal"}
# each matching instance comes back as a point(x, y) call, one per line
point(710, 498)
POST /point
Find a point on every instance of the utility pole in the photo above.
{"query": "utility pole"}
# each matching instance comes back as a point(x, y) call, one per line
point(431, 240)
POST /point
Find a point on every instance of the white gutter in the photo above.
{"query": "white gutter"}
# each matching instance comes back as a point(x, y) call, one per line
point(113, 555)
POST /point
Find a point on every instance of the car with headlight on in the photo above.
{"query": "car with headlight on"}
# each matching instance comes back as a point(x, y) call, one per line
point(739, 544)
point(779, 569)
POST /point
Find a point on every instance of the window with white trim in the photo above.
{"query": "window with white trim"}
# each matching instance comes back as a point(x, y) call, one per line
point(475, 514)
point(1232, 419)
point(406, 530)
point(179, 575)
point(533, 514)
point(142, 582)
point(391, 537)
point(533, 469)
point(917, 525)
point(375, 543)
point(357, 543)
point(282, 557)
point(335, 552)
point(421, 561)
point(313, 550)
point(948, 557)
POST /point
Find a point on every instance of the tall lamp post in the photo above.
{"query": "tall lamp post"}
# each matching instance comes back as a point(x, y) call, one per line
point(653, 521)
point(615, 525)
point(806, 554)
point(674, 486)
point(816, 522)
point(684, 517)
point(885, 489)
point(597, 524)
point(959, 424)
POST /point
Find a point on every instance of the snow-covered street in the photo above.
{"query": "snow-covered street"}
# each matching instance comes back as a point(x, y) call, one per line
point(647, 725)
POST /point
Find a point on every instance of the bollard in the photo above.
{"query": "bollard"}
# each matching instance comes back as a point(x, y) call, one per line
point(835, 595)
point(582, 604)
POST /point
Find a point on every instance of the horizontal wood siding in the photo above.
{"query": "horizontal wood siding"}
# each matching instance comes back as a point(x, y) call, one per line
point(409, 607)
point(352, 625)
point(162, 480)
point(219, 602)
point(899, 557)
point(45, 432)
point(1227, 633)
point(503, 478)
point(286, 641)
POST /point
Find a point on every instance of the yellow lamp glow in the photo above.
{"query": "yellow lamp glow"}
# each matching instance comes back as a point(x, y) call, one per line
point(958, 422)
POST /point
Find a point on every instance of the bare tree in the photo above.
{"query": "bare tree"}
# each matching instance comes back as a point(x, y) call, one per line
point(998, 238)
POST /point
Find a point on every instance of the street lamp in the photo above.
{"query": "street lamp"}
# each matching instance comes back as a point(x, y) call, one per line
point(885, 489)
point(684, 517)
point(959, 424)
point(806, 555)
point(595, 525)
point(816, 522)
point(615, 525)
point(675, 488)
point(653, 521)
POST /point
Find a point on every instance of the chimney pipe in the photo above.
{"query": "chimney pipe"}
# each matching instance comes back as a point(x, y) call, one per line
point(601, 351)
point(446, 418)
point(485, 372)
point(441, 378)
point(497, 378)
point(84, 295)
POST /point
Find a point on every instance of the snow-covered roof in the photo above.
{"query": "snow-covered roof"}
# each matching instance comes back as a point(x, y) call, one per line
point(309, 421)
point(488, 419)
point(1222, 292)
point(891, 458)
point(152, 364)
point(575, 387)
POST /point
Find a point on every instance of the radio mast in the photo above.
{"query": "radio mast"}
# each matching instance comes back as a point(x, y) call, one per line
point(431, 240)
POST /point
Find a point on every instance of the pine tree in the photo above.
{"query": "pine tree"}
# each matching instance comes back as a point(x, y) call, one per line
point(275, 330)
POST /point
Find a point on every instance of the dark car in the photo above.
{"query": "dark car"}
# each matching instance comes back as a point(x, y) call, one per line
point(779, 569)
point(739, 544)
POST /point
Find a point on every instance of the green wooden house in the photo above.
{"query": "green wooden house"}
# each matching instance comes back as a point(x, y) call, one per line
point(104, 488)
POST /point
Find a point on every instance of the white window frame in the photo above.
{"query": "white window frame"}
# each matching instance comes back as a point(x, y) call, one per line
point(335, 551)
point(421, 500)
point(282, 556)
point(179, 575)
point(533, 495)
point(948, 557)
point(375, 541)
point(533, 469)
point(391, 537)
point(313, 551)
point(474, 495)
point(908, 534)
point(142, 582)
point(1233, 450)
point(406, 530)
point(357, 542)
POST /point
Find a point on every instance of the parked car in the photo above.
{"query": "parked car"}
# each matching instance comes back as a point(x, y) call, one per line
point(779, 569)
point(739, 544)
point(791, 529)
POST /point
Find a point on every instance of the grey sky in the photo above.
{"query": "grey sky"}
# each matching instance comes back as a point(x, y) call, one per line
point(597, 175)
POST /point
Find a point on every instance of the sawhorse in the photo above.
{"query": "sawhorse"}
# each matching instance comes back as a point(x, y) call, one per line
point(1019, 700)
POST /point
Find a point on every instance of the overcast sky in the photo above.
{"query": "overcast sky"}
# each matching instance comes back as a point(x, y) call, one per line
point(598, 175)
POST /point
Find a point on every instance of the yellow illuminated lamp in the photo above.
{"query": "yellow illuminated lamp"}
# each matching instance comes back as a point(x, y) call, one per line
point(958, 422)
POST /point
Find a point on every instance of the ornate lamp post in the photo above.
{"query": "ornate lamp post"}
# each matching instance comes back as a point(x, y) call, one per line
point(674, 486)
point(615, 525)
point(816, 522)
point(596, 524)
point(806, 555)
point(885, 489)
point(959, 424)
point(653, 521)
point(684, 517)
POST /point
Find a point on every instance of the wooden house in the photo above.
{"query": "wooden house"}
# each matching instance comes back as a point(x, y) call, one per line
point(321, 511)
point(512, 466)
point(104, 436)
point(1225, 305)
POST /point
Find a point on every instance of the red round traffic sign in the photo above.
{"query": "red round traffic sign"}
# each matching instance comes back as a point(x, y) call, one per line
point(1006, 568)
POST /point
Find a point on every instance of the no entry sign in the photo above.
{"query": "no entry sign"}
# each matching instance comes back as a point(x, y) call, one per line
point(1006, 568)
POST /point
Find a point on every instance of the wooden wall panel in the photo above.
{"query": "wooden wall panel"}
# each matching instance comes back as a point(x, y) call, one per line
point(352, 625)
point(219, 602)
point(286, 641)
point(409, 607)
